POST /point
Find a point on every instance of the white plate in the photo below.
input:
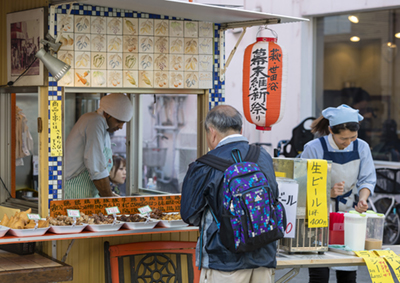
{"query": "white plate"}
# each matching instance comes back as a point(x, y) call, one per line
point(141, 225)
point(104, 227)
point(67, 229)
point(172, 223)
point(3, 230)
point(28, 232)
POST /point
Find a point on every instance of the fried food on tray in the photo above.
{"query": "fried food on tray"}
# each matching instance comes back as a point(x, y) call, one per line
point(21, 221)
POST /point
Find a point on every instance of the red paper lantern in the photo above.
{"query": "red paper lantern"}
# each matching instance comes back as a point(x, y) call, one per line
point(264, 83)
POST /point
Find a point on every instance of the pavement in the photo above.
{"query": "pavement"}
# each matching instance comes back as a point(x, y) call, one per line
point(302, 277)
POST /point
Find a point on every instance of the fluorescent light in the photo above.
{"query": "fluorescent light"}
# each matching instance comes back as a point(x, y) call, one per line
point(355, 39)
point(353, 19)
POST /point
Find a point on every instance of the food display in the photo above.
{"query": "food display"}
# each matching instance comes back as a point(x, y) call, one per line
point(63, 220)
point(168, 220)
point(135, 221)
point(100, 222)
point(21, 221)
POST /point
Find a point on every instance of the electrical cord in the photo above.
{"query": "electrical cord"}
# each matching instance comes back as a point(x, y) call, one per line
point(5, 186)
point(11, 83)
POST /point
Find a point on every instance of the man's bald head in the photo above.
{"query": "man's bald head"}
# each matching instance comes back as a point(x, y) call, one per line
point(224, 118)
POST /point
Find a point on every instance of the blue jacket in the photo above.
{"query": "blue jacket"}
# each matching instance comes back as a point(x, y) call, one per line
point(202, 185)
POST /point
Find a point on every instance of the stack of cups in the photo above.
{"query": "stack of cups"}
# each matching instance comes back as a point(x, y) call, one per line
point(355, 226)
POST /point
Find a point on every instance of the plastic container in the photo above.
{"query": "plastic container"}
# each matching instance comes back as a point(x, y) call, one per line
point(374, 232)
point(355, 226)
point(336, 228)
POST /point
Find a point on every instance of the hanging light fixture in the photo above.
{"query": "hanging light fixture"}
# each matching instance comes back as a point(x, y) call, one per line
point(56, 67)
point(353, 19)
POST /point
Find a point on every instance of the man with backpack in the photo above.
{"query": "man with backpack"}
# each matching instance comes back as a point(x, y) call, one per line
point(231, 194)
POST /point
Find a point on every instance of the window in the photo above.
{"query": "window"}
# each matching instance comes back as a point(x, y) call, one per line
point(357, 64)
point(168, 138)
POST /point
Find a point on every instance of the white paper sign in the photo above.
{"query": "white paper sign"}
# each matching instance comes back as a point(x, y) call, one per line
point(33, 216)
point(145, 209)
point(112, 210)
point(288, 192)
point(73, 213)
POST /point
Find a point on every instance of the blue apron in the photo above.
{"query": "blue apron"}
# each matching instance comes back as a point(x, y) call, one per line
point(345, 167)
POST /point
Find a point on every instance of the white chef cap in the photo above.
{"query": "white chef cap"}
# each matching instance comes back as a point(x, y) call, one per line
point(342, 114)
point(118, 106)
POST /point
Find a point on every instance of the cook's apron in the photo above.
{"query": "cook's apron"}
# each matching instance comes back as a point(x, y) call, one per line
point(345, 167)
point(82, 185)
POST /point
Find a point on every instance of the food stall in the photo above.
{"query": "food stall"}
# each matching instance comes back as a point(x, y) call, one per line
point(167, 50)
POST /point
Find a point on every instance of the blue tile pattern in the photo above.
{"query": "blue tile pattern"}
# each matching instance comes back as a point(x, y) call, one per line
point(216, 94)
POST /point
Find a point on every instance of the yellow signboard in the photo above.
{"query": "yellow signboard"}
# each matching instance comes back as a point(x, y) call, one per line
point(377, 267)
point(55, 128)
point(393, 259)
point(317, 203)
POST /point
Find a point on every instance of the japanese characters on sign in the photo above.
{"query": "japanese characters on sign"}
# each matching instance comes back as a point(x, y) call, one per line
point(263, 83)
point(288, 192)
point(317, 205)
point(55, 128)
point(127, 205)
point(393, 259)
point(377, 267)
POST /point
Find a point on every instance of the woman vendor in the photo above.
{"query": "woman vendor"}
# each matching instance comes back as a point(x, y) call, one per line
point(353, 171)
point(88, 155)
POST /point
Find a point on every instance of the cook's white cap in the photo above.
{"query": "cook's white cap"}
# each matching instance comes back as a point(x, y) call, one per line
point(118, 105)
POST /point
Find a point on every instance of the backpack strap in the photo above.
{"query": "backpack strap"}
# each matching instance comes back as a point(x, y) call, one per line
point(253, 154)
point(222, 164)
point(215, 162)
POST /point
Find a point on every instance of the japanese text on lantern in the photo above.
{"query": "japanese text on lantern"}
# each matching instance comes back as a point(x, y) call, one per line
point(55, 128)
point(263, 79)
point(317, 207)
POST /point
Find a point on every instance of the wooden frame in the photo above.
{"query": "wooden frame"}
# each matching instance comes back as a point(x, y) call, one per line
point(25, 29)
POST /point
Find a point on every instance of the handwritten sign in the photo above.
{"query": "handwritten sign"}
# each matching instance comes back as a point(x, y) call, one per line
point(377, 267)
point(112, 210)
point(393, 259)
point(288, 192)
point(73, 213)
point(317, 204)
point(145, 209)
point(127, 205)
point(55, 128)
point(33, 216)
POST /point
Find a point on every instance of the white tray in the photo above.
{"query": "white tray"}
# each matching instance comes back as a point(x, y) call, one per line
point(172, 223)
point(104, 227)
point(3, 230)
point(28, 232)
point(67, 229)
point(141, 225)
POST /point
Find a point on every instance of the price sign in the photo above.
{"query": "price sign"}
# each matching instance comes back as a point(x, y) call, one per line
point(288, 192)
point(317, 203)
point(377, 267)
point(393, 259)
point(145, 209)
point(74, 213)
point(33, 216)
point(112, 210)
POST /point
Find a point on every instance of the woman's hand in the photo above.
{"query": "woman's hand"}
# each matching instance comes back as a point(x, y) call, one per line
point(361, 206)
point(337, 189)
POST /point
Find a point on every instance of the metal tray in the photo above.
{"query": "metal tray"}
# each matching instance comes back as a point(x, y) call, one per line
point(67, 229)
point(141, 225)
point(104, 227)
point(28, 232)
point(3, 230)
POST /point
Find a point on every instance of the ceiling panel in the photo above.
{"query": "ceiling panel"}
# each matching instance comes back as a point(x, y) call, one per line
point(190, 10)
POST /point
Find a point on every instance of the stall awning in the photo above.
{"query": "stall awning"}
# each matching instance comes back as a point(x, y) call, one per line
point(228, 17)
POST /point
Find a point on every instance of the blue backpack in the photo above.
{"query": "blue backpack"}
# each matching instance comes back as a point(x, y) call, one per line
point(252, 217)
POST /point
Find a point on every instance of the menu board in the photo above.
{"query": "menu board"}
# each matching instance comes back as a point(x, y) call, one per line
point(126, 205)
